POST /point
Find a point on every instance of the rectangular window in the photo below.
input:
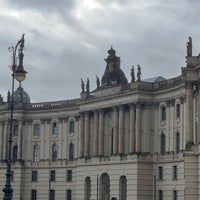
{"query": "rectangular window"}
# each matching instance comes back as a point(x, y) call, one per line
point(69, 175)
point(174, 172)
point(34, 175)
point(178, 110)
point(160, 173)
point(36, 129)
point(175, 195)
point(52, 195)
point(33, 194)
point(71, 126)
point(52, 175)
point(55, 128)
point(69, 195)
point(15, 131)
point(160, 194)
point(163, 113)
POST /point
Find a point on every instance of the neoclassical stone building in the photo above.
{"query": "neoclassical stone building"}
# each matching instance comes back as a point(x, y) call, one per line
point(124, 140)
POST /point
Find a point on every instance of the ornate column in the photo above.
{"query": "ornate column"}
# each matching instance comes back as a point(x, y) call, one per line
point(132, 129)
point(1, 140)
point(5, 140)
point(19, 153)
point(96, 131)
point(121, 130)
point(86, 136)
point(115, 131)
point(189, 113)
point(101, 136)
point(138, 127)
point(81, 136)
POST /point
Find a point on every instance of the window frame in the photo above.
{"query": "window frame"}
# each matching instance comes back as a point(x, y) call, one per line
point(163, 113)
point(34, 177)
point(71, 126)
point(160, 194)
point(52, 176)
point(175, 196)
point(71, 151)
point(160, 173)
point(162, 144)
point(54, 152)
point(178, 110)
point(69, 175)
point(33, 194)
point(36, 129)
point(36, 153)
point(55, 128)
point(174, 172)
point(52, 194)
point(69, 194)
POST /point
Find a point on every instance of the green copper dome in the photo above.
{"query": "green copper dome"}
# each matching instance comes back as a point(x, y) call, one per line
point(20, 96)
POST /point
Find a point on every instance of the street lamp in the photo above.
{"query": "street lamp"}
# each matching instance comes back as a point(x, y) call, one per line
point(19, 74)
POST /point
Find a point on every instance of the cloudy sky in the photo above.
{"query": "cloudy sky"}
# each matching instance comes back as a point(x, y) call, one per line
point(67, 40)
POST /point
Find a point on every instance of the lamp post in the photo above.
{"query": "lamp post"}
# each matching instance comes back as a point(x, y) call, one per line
point(19, 74)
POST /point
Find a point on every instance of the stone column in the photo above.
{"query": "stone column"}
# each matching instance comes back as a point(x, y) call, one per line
point(132, 129)
point(42, 136)
point(96, 131)
point(60, 138)
point(19, 153)
point(5, 140)
point(86, 136)
point(138, 127)
point(121, 130)
point(189, 113)
point(81, 136)
point(101, 134)
point(1, 140)
point(115, 131)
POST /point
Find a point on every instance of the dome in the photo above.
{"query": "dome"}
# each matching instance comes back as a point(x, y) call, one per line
point(20, 96)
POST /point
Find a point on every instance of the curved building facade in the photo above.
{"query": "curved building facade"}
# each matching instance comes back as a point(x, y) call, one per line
point(122, 141)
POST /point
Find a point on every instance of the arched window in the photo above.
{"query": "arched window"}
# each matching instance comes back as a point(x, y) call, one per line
point(87, 195)
point(162, 144)
point(71, 126)
point(177, 148)
point(54, 152)
point(36, 153)
point(71, 152)
point(104, 187)
point(122, 188)
point(15, 149)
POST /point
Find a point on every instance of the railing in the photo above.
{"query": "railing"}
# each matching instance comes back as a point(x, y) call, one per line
point(51, 105)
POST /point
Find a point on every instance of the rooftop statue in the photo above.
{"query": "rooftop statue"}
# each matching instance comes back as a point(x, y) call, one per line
point(82, 85)
point(139, 73)
point(132, 75)
point(189, 47)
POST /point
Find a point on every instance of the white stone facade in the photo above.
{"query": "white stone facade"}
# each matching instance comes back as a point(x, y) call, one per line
point(121, 141)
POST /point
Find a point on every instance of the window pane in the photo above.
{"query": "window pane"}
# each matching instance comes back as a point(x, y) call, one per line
point(69, 195)
point(36, 129)
point(33, 194)
point(34, 175)
point(52, 175)
point(69, 175)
